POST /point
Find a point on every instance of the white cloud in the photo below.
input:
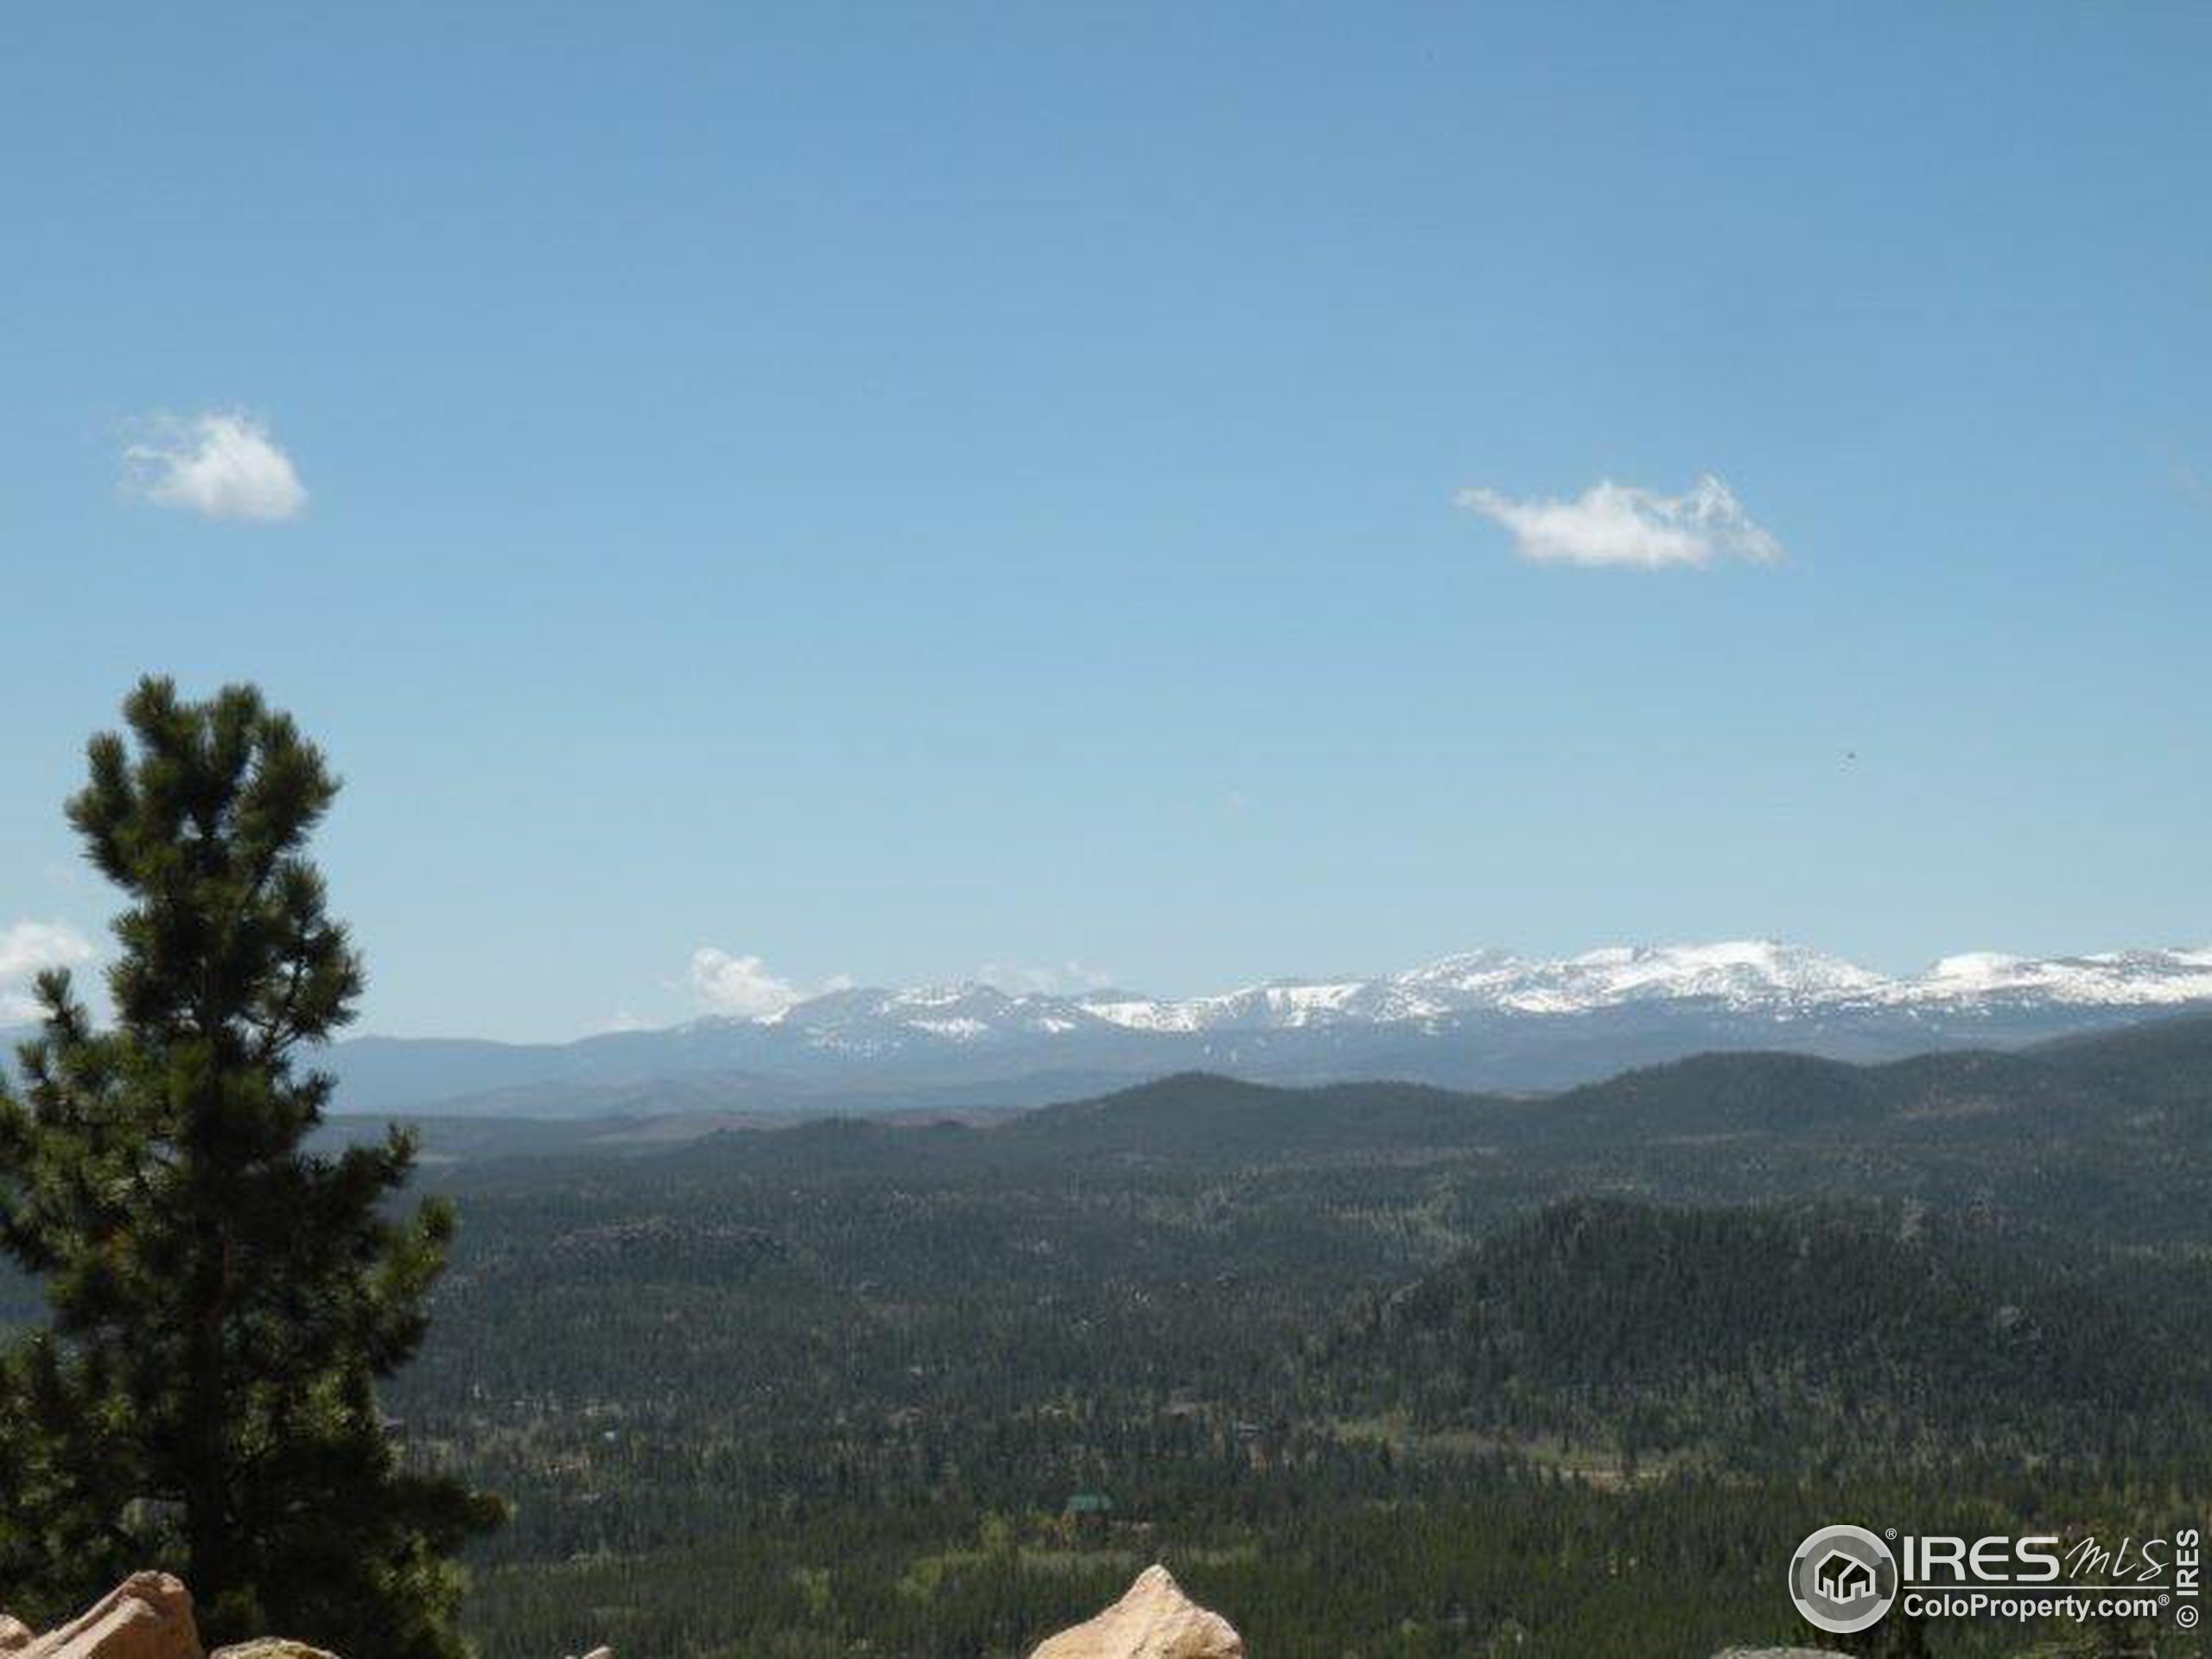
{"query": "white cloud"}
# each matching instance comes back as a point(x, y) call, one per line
point(1620, 525)
point(220, 465)
point(1047, 979)
point(740, 985)
point(28, 948)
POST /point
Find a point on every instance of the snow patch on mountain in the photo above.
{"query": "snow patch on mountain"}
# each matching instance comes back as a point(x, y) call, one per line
point(1758, 977)
point(2115, 978)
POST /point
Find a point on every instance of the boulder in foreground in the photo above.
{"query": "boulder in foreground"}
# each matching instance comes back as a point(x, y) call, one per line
point(148, 1616)
point(1154, 1620)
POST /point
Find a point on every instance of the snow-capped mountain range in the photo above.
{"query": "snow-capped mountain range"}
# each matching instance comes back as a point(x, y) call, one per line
point(1748, 976)
point(1485, 1020)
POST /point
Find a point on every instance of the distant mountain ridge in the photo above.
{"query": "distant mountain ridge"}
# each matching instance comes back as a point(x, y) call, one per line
point(1485, 1020)
point(1758, 974)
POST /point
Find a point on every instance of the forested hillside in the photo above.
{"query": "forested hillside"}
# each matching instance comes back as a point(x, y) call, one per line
point(1794, 1339)
point(1380, 1369)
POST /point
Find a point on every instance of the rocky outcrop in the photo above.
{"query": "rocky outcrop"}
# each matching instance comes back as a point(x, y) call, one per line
point(148, 1616)
point(1154, 1620)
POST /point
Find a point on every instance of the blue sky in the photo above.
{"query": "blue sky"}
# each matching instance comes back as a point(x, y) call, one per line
point(909, 491)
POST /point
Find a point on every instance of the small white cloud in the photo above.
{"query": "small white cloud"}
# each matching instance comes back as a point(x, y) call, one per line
point(739, 985)
point(1046, 979)
point(26, 949)
point(219, 465)
point(1620, 525)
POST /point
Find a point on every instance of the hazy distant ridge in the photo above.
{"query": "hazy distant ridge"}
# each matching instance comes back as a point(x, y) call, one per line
point(1483, 1019)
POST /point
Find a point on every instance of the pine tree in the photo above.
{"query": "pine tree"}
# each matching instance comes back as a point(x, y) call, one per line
point(223, 1300)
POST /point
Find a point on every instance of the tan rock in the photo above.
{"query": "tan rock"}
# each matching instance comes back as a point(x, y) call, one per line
point(148, 1616)
point(270, 1647)
point(1154, 1620)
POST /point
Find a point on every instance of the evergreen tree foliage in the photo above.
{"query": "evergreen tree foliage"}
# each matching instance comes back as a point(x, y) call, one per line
point(222, 1300)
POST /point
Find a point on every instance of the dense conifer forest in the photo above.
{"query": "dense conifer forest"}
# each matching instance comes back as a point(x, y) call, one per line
point(1378, 1370)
